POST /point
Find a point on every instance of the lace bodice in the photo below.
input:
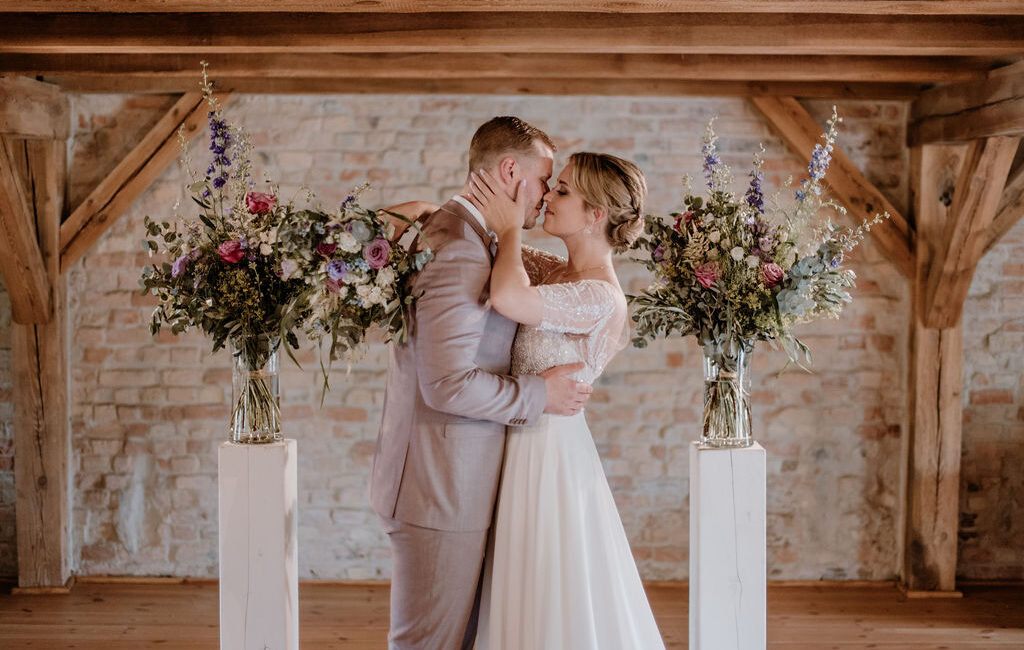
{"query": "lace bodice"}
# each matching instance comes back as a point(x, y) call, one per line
point(583, 321)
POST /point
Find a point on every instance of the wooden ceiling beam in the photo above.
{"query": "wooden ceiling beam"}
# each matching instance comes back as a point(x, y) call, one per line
point(498, 86)
point(21, 262)
point(849, 186)
point(975, 201)
point(988, 107)
point(883, 7)
point(700, 33)
point(1010, 210)
point(32, 109)
point(132, 176)
point(284, 65)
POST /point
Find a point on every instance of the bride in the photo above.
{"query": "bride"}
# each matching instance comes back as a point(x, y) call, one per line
point(559, 572)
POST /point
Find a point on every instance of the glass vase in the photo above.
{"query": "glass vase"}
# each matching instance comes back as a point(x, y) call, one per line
point(726, 421)
point(255, 390)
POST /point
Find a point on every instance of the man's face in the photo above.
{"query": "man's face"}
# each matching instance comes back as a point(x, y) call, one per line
point(536, 171)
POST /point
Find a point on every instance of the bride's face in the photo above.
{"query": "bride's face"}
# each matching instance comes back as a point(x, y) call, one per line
point(566, 214)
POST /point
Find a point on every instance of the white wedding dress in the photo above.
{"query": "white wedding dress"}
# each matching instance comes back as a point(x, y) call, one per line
point(559, 573)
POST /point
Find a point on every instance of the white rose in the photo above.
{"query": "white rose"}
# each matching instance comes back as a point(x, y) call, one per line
point(737, 253)
point(753, 261)
point(357, 277)
point(363, 291)
point(714, 236)
point(376, 296)
point(348, 243)
point(386, 276)
point(266, 249)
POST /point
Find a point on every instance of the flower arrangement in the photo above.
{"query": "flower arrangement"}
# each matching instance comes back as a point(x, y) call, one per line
point(255, 270)
point(730, 271)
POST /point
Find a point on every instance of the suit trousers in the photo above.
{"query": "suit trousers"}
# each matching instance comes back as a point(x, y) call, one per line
point(435, 586)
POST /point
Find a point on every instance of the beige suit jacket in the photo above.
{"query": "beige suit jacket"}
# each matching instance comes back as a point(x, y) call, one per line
point(449, 395)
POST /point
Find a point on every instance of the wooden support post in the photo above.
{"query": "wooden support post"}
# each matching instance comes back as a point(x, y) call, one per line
point(933, 396)
point(39, 365)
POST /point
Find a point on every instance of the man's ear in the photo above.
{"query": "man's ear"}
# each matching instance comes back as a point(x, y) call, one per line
point(508, 171)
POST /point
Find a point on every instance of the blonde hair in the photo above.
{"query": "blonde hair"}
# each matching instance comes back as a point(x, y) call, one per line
point(618, 186)
point(503, 136)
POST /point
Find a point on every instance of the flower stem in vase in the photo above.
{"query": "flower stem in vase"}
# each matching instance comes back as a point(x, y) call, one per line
point(727, 421)
point(256, 411)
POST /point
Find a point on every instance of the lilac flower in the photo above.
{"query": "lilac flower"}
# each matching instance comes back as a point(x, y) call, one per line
point(348, 200)
point(336, 270)
point(179, 265)
point(837, 260)
point(658, 254)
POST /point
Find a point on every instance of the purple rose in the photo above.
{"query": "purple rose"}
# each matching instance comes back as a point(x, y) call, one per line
point(179, 265)
point(336, 270)
point(378, 253)
point(772, 274)
point(707, 274)
point(231, 252)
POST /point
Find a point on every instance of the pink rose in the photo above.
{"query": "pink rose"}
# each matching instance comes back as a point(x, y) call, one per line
point(684, 218)
point(231, 252)
point(326, 249)
point(772, 274)
point(707, 274)
point(378, 253)
point(260, 202)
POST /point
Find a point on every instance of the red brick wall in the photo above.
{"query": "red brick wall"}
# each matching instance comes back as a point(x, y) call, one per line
point(148, 415)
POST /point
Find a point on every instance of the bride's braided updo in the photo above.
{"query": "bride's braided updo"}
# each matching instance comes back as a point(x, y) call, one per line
point(618, 186)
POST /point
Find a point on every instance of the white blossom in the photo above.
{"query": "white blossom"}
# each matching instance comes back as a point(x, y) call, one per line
point(348, 243)
point(737, 253)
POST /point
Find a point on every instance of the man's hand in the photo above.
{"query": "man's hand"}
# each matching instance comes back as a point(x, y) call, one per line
point(566, 396)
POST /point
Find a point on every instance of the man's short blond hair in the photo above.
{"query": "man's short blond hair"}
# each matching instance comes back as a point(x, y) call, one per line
point(504, 136)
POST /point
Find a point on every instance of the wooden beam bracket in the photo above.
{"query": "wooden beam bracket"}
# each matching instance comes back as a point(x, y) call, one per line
point(132, 176)
point(967, 230)
point(21, 261)
point(862, 199)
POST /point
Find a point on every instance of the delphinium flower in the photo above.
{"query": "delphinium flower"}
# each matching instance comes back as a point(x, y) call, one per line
point(754, 196)
point(716, 173)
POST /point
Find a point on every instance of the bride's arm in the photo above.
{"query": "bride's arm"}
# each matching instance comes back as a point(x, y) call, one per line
point(411, 210)
point(511, 293)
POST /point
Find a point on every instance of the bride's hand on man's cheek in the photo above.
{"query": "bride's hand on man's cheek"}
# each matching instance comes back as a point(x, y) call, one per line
point(500, 211)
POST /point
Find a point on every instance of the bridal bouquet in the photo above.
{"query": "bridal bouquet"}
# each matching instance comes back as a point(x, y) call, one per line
point(255, 270)
point(731, 270)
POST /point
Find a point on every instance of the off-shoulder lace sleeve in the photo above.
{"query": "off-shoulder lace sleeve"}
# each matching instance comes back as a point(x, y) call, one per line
point(540, 264)
point(577, 307)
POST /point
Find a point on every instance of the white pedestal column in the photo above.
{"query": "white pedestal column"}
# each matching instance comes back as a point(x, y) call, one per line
point(259, 582)
point(727, 549)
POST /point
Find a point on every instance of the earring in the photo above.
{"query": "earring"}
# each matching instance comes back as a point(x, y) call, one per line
point(588, 230)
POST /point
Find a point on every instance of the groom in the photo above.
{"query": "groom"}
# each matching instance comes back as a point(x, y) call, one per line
point(448, 400)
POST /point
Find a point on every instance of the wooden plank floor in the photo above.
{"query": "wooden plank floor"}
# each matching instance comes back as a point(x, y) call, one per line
point(119, 616)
